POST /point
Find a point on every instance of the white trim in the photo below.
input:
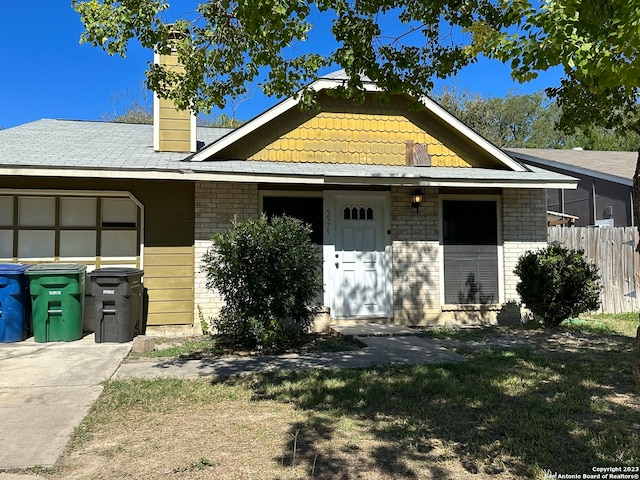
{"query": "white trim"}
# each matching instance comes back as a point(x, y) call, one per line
point(302, 179)
point(70, 193)
point(328, 245)
point(500, 245)
point(193, 139)
point(410, 181)
point(156, 109)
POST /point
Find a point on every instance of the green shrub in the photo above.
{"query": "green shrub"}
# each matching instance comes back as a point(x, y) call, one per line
point(267, 273)
point(557, 283)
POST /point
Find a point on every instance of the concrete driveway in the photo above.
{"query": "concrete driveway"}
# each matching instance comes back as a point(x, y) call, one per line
point(46, 389)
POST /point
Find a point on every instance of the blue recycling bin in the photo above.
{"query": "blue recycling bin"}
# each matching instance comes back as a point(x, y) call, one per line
point(15, 303)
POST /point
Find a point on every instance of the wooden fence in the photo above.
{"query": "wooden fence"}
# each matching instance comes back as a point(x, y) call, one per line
point(613, 250)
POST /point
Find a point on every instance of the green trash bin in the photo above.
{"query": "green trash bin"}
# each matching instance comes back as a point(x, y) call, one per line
point(57, 301)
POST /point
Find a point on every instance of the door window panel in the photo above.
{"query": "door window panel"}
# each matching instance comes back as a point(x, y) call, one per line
point(62, 227)
point(77, 243)
point(119, 212)
point(6, 243)
point(37, 211)
point(36, 244)
point(78, 212)
point(119, 243)
point(6, 211)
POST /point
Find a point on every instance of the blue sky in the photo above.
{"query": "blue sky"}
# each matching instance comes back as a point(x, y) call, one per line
point(48, 74)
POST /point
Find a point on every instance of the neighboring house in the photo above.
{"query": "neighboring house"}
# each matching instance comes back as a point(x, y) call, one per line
point(420, 220)
point(605, 191)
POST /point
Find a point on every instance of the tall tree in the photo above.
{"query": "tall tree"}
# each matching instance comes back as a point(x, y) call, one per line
point(529, 121)
point(596, 42)
point(399, 44)
point(228, 44)
point(515, 121)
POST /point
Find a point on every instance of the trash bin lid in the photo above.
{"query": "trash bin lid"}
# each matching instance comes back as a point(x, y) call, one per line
point(12, 268)
point(115, 272)
point(56, 268)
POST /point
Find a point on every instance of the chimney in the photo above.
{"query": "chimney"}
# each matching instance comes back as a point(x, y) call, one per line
point(173, 130)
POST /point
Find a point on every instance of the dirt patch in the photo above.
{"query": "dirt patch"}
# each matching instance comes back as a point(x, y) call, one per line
point(226, 441)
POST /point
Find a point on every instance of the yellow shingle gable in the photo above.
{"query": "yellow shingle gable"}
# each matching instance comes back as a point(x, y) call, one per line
point(371, 133)
point(356, 138)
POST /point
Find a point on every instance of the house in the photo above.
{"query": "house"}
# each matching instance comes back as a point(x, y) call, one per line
point(604, 196)
point(420, 220)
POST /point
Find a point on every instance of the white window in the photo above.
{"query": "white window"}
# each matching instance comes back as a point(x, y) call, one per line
point(91, 229)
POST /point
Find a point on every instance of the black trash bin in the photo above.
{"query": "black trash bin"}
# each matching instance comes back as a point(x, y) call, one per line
point(117, 296)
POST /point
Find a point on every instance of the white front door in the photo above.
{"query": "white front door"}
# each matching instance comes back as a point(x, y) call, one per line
point(360, 264)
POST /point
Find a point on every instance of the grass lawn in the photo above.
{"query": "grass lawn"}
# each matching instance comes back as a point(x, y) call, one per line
point(526, 402)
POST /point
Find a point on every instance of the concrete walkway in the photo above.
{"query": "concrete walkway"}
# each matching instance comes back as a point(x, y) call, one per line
point(385, 345)
point(46, 389)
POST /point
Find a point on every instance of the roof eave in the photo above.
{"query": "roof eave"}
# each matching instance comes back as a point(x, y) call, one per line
point(574, 168)
point(185, 174)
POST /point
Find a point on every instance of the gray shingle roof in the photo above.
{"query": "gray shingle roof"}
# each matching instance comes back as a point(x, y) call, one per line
point(619, 164)
point(104, 145)
point(63, 145)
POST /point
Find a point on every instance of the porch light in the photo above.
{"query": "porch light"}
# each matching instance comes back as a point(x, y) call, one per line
point(416, 198)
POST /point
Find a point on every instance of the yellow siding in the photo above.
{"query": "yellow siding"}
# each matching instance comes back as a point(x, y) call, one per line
point(371, 133)
point(174, 125)
point(374, 132)
point(171, 61)
point(175, 128)
point(171, 319)
point(357, 138)
point(168, 276)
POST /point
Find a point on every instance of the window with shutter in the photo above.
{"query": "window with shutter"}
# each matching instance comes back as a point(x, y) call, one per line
point(470, 251)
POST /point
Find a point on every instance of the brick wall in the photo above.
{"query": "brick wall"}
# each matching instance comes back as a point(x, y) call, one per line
point(416, 254)
point(216, 205)
point(524, 224)
point(415, 243)
point(416, 261)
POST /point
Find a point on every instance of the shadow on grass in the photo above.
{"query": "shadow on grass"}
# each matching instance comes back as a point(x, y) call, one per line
point(511, 411)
